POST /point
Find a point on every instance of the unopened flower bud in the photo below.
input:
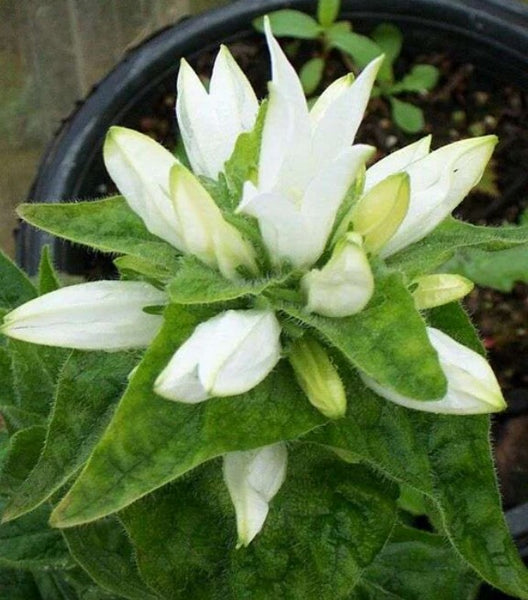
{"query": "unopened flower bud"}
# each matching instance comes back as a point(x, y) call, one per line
point(380, 212)
point(344, 285)
point(441, 288)
point(318, 377)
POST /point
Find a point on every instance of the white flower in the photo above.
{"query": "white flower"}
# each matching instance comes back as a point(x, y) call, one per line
point(204, 231)
point(440, 288)
point(210, 123)
point(306, 163)
point(471, 385)
point(318, 377)
point(101, 315)
point(344, 285)
point(226, 355)
point(253, 478)
point(172, 202)
point(439, 182)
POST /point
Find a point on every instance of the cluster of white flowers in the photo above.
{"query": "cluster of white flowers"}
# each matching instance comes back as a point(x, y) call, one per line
point(307, 164)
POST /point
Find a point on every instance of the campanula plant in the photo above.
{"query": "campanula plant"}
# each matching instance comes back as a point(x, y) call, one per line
point(280, 379)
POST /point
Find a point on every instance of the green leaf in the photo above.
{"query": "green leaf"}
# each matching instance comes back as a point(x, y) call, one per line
point(361, 48)
point(21, 456)
point(107, 225)
point(452, 319)
point(451, 235)
point(311, 74)
point(421, 78)
point(385, 340)
point(72, 584)
point(446, 458)
point(415, 565)
point(48, 280)
point(134, 267)
point(16, 287)
point(29, 543)
point(407, 116)
point(389, 38)
point(35, 371)
point(290, 23)
point(328, 11)
point(195, 283)
point(243, 163)
point(152, 441)
point(499, 270)
point(17, 585)
point(326, 524)
point(88, 389)
point(104, 551)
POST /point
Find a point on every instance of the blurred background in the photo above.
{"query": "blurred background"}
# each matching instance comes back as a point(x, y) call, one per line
point(51, 53)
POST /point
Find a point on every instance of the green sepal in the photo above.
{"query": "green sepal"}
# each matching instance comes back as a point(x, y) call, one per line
point(387, 340)
point(152, 441)
point(196, 283)
point(107, 225)
point(48, 280)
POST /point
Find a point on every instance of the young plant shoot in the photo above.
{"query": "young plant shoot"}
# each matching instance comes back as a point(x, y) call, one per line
point(283, 310)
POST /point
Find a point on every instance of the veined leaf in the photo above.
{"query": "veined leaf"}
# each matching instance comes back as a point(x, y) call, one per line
point(387, 340)
point(21, 456)
point(152, 441)
point(107, 225)
point(88, 389)
point(451, 235)
point(103, 549)
point(327, 523)
point(433, 454)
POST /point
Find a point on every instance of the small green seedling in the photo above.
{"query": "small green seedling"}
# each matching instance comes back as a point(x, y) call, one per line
point(359, 50)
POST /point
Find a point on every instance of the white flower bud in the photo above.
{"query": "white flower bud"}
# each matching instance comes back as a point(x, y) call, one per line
point(253, 478)
point(344, 285)
point(100, 315)
point(226, 355)
point(471, 384)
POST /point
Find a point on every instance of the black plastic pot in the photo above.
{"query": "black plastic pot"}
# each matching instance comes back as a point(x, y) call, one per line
point(492, 34)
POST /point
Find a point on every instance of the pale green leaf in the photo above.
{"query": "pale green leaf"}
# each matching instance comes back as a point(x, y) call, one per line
point(327, 11)
point(421, 78)
point(107, 225)
point(311, 74)
point(389, 38)
point(360, 47)
point(291, 23)
point(407, 116)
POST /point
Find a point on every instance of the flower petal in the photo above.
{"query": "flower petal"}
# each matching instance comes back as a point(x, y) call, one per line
point(198, 123)
point(226, 355)
point(205, 232)
point(439, 182)
point(101, 315)
point(296, 230)
point(396, 162)
point(140, 168)
point(335, 126)
point(233, 99)
point(471, 385)
point(253, 478)
point(344, 285)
